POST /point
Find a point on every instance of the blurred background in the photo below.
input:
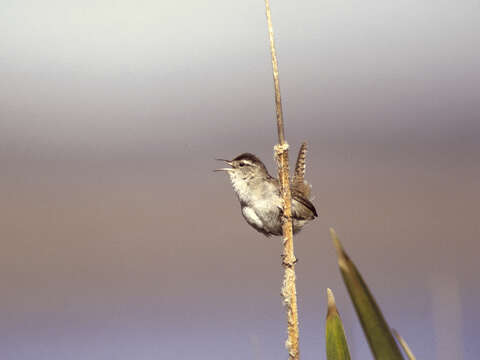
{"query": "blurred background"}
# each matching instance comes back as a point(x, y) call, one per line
point(119, 242)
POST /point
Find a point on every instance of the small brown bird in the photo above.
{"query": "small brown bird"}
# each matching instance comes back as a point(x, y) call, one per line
point(260, 195)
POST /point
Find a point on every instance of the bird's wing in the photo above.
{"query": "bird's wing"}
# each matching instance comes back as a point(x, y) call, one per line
point(298, 182)
point(302, 208)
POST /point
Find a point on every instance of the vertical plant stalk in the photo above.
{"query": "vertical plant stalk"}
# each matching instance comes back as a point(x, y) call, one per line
point(289, 292)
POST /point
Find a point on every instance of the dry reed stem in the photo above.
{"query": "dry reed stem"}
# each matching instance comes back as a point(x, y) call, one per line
point(289, 292)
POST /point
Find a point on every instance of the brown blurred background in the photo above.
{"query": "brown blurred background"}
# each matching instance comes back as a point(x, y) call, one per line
point(118, 241)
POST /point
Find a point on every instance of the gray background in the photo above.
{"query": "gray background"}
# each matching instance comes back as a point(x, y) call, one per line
point(117, 240)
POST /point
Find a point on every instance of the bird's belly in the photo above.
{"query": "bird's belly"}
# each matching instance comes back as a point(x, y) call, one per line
point(263, 218)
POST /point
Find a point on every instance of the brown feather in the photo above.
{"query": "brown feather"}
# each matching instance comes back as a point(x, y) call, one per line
point(302, 208)
point(301, 163)
point(298, 183)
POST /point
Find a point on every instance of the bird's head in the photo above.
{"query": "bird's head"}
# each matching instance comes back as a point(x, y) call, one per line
point(245, 166)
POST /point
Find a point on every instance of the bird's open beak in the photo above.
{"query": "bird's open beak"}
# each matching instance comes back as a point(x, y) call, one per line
point(224, 169)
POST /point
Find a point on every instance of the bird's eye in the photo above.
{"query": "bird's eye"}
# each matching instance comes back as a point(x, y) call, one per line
point(241, 164)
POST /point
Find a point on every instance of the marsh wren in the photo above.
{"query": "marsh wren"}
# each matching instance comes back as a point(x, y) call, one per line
point(260, 194)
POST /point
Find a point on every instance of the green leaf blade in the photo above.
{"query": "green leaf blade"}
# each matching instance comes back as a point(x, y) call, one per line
point(336, 343)
point(404, 345)
point(376, 329)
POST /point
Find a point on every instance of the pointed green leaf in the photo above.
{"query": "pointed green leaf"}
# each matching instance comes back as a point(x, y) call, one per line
point(404, 345)
point(337, 348)
point(374, 326)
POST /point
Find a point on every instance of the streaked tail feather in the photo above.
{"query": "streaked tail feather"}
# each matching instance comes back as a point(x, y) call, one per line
point(301, 163)
point(299, 182)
